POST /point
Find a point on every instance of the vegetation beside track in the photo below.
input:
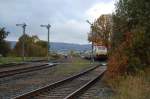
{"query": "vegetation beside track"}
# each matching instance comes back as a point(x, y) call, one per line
point(73, 65)
point(6, 60)
point(130, 50)
point(135, 86)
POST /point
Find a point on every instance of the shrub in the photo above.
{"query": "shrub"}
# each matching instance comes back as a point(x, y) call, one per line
point(132, 87)
point(117, 62)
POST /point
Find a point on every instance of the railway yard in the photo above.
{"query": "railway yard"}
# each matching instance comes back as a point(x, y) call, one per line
point(72, 49)
point(74, 78)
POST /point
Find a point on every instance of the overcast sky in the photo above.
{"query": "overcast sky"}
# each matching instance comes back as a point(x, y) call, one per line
point(67, 17)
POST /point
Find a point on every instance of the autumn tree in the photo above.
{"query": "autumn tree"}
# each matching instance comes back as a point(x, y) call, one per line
point(33, 46)
point(101, 30)
point(4, 46)
point(131, 37)
point(132, 22)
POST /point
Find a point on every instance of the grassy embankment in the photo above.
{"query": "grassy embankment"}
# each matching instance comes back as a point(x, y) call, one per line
point(132, 86)
point(5, 60)
point(74, 65)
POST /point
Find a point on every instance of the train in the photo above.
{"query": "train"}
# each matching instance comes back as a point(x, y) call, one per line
point(99, 53)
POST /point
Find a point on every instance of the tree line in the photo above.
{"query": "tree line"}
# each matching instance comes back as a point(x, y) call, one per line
point(34, 47)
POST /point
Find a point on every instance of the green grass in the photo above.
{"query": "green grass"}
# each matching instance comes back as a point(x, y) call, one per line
point(74, 65)
point(5, 60)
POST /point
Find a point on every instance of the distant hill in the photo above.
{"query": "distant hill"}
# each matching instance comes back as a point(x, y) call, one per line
point(63, 47)
point(12, 43)
point(57, 46)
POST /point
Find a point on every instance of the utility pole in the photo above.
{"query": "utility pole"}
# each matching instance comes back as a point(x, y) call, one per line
point(48, 42)
point(23, 45)
point(92, 56)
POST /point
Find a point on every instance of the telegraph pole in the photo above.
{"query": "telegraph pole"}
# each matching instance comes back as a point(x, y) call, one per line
point(92, 56)
point(48, 42)
point(23, 45)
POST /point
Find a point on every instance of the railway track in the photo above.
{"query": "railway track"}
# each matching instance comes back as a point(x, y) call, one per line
point(21, 63)
point(7, 73)
point(68, 88)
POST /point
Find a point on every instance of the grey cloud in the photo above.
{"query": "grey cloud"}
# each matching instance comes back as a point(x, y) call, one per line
point(56, 12)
